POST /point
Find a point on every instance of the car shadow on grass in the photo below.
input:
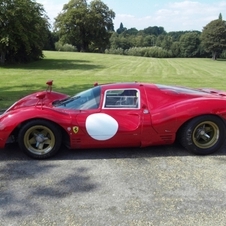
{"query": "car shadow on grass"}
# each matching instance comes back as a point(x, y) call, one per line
point(56, 64)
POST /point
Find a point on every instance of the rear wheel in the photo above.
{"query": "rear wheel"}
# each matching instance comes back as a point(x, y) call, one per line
point(40, 139)
point(203, 135)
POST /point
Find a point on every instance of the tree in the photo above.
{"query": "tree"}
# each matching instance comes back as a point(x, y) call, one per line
point(21, 23)
point(213, 37)
point(167, 42)
point(72, 25)
point(175, 49)
point(52, 38)
point(121, 29)
point(81, 24)
point(149, 40)
point(131, 31)
point(189, 44)
point(159, 40)
point(154, 30)
point(102, 24)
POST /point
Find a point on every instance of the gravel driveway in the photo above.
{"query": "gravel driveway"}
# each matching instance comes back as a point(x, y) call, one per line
point(128, 187)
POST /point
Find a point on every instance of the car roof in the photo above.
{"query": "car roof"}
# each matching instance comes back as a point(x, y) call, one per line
point(122, 85)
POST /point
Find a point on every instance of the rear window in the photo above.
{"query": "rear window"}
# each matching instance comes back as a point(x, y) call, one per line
point(178, 89)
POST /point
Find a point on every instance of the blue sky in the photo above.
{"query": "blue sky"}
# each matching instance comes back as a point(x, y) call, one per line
point(173, 15)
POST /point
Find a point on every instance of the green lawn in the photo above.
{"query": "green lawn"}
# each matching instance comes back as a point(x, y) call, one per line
point(73, 72)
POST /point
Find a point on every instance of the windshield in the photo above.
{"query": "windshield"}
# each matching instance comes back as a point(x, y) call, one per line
point(88, 99)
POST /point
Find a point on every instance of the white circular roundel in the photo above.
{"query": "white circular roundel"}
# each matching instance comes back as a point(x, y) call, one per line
point(101, 126)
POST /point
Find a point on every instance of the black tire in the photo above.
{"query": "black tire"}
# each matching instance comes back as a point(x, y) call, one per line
point(203, 135)
point(40, 139)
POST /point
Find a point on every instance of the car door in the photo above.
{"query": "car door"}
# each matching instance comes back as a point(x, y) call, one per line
point(123, 106)
point(116, 123)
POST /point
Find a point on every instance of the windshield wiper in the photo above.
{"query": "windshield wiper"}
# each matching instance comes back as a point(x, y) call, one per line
point(59, 102)
point(66, 101)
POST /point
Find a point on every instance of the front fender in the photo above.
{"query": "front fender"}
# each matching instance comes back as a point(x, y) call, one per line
point(9, 121)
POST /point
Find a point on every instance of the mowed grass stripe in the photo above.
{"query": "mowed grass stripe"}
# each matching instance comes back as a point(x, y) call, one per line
point(73, 72)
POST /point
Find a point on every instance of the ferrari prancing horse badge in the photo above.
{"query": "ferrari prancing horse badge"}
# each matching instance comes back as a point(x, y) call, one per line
point(75, 129)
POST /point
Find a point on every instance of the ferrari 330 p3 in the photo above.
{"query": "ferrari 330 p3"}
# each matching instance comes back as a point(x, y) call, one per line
point(116, 115)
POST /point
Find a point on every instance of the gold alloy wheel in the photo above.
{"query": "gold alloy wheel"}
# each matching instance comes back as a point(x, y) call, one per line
point(205, 134)
point(39, 139)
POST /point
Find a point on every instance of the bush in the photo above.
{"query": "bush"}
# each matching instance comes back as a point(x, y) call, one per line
point(154, 51)
point(65, 48)
point(223, 55)
point(118, 51)
point(136, 51)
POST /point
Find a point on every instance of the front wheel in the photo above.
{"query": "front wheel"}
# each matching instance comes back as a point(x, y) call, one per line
point(203, 135)
point(40, 139)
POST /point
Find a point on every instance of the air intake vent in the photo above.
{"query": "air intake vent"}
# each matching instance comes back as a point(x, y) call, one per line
point(75, 143)
point(76, 140)
point(167, 138)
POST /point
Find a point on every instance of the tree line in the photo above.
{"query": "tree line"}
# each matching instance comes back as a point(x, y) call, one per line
point(25, 32)
point(156, 42)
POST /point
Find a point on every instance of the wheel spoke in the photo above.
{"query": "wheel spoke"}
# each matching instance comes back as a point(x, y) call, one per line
point(37, 144)
point(40, 146)
point(32, 140)
point(208, 129)
point(204, 137)
point(44, 132)
point(197, 137)
point(199, 134)
point(35, 132)
point(47, 142)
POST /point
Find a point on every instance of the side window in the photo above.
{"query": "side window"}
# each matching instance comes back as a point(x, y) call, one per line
point(121, 98)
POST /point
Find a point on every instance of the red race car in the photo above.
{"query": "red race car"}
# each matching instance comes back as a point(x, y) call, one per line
point(116, 115)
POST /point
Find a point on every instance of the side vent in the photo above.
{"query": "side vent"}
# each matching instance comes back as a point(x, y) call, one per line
point(168, 139)
point(76, 142)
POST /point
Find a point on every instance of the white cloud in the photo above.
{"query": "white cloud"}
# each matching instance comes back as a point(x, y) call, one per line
point(174, 16)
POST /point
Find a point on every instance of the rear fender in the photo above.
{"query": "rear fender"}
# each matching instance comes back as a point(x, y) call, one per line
point(191, 110)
